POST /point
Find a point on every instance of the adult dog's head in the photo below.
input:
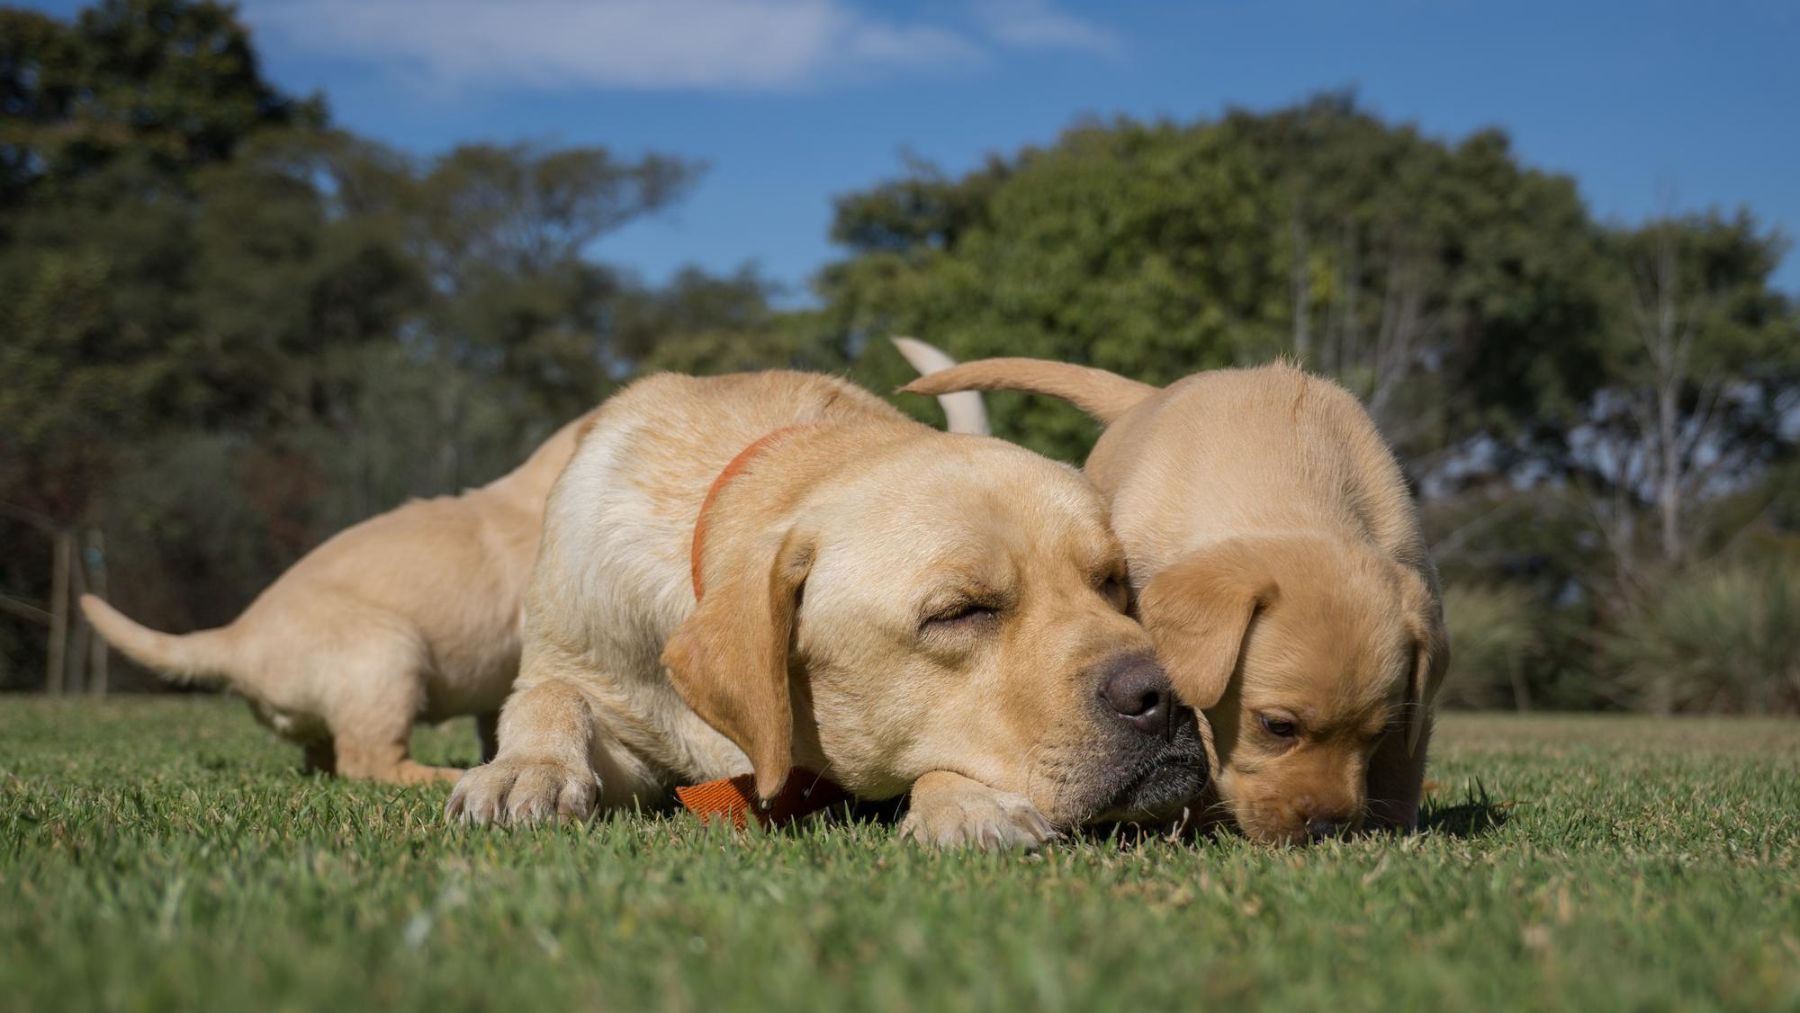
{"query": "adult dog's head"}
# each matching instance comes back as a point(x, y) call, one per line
point(882, 602)
point(1307, 654)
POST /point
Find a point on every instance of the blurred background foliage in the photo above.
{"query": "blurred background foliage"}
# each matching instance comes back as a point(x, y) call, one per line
point(229, 329)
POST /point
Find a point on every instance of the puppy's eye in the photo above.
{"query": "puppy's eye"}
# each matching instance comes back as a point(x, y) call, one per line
point(962, 616)
point(1279, 727)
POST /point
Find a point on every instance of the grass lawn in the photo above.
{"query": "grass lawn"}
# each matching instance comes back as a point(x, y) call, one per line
point(167, 853)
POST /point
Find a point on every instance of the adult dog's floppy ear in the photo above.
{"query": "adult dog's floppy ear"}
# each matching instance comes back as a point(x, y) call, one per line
point(1431, 656)
point(729, 660)
point(1198, 613)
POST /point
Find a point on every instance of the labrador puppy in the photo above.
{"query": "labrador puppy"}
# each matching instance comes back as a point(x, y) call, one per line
point(1277, 561)
point(756, 573)
point(410, 615)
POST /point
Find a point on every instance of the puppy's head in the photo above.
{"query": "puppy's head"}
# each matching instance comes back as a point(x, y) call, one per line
point(1305, 654)
point(942, 604)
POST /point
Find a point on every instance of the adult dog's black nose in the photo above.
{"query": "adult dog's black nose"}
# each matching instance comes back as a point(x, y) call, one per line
point(1138, 691)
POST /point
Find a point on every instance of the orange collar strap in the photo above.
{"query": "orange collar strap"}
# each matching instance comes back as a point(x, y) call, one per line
point(733, 799)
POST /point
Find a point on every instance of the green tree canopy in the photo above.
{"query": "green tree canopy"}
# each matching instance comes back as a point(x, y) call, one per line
point(1454, 290)
point(229, 329)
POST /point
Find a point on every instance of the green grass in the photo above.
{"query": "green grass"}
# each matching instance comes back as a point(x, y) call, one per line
point(167, 853)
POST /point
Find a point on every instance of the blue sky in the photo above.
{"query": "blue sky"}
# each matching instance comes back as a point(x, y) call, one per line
point(1648, 104)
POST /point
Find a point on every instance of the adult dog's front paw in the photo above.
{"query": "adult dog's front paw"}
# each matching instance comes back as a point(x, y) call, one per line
point(951, 811)
point(523, 791)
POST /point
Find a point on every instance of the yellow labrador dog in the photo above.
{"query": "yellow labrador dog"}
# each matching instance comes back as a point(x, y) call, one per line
point(1279, 565)
point(410, 615)
point(756, 573)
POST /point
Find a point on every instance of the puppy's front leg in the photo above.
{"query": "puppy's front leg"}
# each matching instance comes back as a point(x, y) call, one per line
point(949, 810)
point(544, 767)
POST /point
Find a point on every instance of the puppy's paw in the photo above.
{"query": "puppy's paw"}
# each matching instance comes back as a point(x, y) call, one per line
point(966, 813)
point(523, 791)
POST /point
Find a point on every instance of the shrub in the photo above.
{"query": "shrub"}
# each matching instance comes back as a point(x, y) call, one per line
point(1724, 639)
point(1495, 636)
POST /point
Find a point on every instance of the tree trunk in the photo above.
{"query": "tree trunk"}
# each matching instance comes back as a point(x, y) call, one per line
point(1668, 494)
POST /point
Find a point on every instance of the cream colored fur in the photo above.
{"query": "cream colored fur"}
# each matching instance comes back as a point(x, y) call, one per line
point(411, 615)
point(1278, 562)
point(896, 607)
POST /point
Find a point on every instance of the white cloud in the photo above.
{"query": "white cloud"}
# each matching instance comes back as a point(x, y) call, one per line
point(652, 44)
point(1037, 24)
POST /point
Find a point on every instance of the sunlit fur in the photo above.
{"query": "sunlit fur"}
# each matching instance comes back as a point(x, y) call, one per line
point(1279, 564)
point(823, 562)
point(410, 615)
point(1330, 648)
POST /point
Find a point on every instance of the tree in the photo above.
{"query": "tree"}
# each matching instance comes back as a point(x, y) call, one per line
point(230, 330)
point(1451, 288)
point(1702, 357)
point(1136, 247)
point(109, 122)
point(171, 84)
point(505, 234)
point(1537, 370)
point(702, 323)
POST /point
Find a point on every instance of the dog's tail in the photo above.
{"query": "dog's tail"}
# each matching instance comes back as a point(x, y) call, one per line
point(1105, 396)
point(202, 657)
point(964, 411)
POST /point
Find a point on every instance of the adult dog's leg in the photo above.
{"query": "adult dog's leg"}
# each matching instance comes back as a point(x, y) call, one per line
point(949, 810)
point(546, 767)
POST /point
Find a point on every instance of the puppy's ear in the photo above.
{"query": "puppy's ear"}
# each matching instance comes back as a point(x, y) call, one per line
point(1431, 655)
point(1199, 611)
point(729, 660)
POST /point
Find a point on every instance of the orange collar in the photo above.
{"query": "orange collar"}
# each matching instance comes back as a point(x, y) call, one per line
point(733, 799)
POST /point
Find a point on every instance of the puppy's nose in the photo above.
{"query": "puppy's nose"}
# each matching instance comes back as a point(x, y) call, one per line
point(1325, 828)
point(1138, 691)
